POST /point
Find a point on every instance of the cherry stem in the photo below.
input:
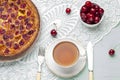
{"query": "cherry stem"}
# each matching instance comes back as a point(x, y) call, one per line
point(55, 26)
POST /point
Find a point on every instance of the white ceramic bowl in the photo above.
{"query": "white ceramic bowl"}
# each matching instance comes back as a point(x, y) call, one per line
point(92, 25)
point(67, 71)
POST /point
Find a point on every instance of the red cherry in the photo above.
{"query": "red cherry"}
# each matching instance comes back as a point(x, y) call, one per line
point(15, 7)
point(5, 37)
point(97, 13)
point(16, 46)
point(88, 3)
point(2, 31)
point(1, 42)
point(53, 32)
point(90, 15)
point(6, 51)
point(91, 20)
point(84, 9)
point(28, 13)
point(97, 19)
point(21, 43)
point(23, 5)
point(92, 5)
point(92, 10)
point(8, 44)
point(88, 22)
point(96, 7)
point(18, 2)
point(101, 11)
point(111, 52)
point(25, 36)
point(68, 10)
point(4, 17)
point(83, 17)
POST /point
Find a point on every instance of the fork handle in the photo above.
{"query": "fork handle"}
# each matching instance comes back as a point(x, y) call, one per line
point(38, 76)
point(91, 77)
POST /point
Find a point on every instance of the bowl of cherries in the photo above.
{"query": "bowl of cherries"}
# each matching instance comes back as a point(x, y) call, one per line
point(91, 14)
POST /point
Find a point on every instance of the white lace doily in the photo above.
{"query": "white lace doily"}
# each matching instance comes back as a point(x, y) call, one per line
point(26, 68)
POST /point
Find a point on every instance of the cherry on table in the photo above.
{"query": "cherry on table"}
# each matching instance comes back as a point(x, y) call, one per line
point(53, 32)
point(68, 10)
point(111, 52)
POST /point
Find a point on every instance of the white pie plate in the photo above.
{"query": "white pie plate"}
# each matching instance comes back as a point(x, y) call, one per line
point(65, 72)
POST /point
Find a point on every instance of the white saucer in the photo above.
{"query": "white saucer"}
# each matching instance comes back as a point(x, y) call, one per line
point(64, 72)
